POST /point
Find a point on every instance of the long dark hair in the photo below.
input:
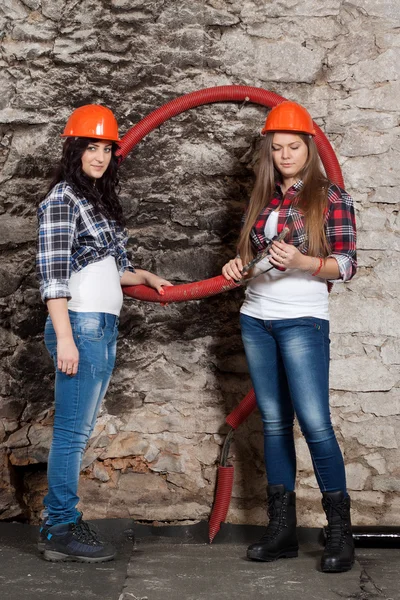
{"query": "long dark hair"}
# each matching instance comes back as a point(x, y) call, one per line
point(312, 199)
point(103, 193)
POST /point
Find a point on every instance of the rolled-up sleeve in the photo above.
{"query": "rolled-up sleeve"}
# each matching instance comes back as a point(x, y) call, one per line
point(341, 231)
point(57, 216)
point(123, 262)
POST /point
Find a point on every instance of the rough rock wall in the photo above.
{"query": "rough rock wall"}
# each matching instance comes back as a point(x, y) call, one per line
point(181, 368)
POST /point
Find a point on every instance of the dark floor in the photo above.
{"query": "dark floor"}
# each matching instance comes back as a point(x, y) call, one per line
point(177, 563)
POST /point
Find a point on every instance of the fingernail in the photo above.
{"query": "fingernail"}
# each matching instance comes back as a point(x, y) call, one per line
point(162, 292)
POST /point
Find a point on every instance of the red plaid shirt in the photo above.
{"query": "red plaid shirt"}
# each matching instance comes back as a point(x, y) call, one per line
point(340, 226)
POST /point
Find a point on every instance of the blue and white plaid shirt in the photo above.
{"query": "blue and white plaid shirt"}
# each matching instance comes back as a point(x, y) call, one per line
point(73, 235)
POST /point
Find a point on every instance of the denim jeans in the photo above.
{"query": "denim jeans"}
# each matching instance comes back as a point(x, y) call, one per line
point(288, 361)
point(77, 403)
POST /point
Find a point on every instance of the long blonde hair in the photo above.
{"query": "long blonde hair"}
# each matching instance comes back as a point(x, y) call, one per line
point(311, 200)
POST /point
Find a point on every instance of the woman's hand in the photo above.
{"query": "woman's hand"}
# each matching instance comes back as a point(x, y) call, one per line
point(287, 256)
point(67, 356)
point(233, 269)
point(156, 282)
point(142, 277)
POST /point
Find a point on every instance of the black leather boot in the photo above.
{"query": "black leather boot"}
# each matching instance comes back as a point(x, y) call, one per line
point(279, 539)
point(338, 555)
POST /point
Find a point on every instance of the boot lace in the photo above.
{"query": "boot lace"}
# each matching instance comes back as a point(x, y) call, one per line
point(338, 524)
point(85, 534)
point(276, 516)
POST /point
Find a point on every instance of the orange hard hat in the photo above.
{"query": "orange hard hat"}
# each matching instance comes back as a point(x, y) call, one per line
point(289, 116)
point(92, 121)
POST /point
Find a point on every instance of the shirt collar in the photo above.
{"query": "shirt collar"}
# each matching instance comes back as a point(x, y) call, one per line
point(297, 186)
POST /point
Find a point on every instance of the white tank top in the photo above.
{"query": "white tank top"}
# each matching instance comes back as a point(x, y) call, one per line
point(284, 294)
point(96, 288)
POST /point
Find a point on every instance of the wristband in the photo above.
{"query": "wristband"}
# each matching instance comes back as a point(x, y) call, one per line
point(321, 262)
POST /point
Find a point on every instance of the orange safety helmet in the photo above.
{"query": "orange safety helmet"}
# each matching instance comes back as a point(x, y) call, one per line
point(92, 121)
point(289, 116)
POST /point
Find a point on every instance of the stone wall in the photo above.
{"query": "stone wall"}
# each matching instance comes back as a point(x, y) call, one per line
point(181, 367)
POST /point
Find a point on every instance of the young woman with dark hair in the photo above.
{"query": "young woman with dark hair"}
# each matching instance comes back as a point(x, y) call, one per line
point(81, 264)
point(285, 326)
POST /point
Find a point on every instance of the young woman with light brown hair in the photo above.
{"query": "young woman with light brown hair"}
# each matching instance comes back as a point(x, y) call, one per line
point(285, 326)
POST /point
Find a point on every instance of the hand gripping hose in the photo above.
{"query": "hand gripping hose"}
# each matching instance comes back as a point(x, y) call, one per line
point(216, 285)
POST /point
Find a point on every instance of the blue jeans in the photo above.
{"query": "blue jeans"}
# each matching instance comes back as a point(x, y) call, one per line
point(77, 403)
point(288, 361)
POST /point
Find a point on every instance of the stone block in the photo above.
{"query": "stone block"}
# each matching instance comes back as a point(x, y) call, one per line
point(33, 4)
point(377, 240)
point(383, 97)
point(126, 444)
point(163, 375)
point(346, 400)
point(39, 31)
point(368, 498)
point(373, 434)
point(345, 115)
point(390, 352)
point(374, 316)
point(146, 488)
point(385, 67)
point(19, 439)
point(168, 463)
point(357, 476)
point(381, 404)
point(223, 18)
point(358, 142)
point(353, 49)
point(255, 58)
point(376, 461)
point(13, 9)
point(360, 374)
point(323, 28)
point(26, 51)
point(372, 171)
point(15, 231)
point(100, 472)
point(10, 508)
point(345, 345)
point(387, 39)
point(254, 11)
point(382, 10)
point(388, 276)
point(386, 483)
point(375, 218)
point(53, 9)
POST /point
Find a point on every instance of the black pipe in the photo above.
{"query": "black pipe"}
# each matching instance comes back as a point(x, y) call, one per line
point(376, 536)
point(373, 536)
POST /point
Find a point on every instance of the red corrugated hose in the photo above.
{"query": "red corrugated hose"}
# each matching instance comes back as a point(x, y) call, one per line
point(216, 285)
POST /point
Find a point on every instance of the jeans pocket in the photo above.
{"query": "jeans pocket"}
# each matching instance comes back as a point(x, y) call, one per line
point(319, 325)
point(88, 328)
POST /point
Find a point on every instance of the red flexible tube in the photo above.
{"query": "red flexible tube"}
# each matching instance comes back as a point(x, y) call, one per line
point(242, 411)
point(182, 293)
point(222, 500)
point(216, 285)
point(225, 93)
